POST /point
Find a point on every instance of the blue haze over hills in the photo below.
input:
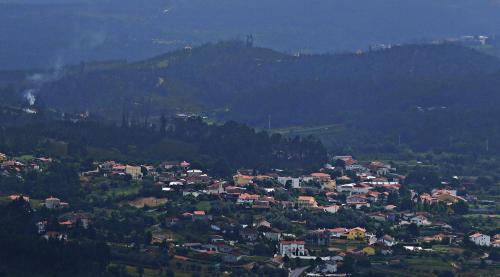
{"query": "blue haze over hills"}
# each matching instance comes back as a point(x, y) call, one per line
point(43, 33)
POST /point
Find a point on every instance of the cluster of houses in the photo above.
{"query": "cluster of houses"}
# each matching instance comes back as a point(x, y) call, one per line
point(375, 182)
point(65, 222)
point(441, 195)
point(49, 203)
point(14, 167)
point(168, 175)
point(114, 169)
point(345, 185)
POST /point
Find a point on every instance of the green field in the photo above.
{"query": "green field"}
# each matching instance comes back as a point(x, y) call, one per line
point(124, 190)
point(204, 206)
point(486, 222)
point(312, 130)
point(445, 249)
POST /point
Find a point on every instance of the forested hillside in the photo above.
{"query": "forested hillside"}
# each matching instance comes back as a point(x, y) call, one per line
point(424, 96)
point(234, 75)
point(220, 149)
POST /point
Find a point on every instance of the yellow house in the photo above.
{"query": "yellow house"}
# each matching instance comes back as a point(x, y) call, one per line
point(369, 251)
point(356, 233)
point(134, 171)
point(242, 180)
point(448, 198)
point(332, 184)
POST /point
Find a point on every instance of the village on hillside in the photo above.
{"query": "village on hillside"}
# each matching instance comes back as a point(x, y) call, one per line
point(348, 216)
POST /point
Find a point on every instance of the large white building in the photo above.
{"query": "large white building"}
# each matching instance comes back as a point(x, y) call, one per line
point(292, 248)
point(480, 239)
point(295, 182)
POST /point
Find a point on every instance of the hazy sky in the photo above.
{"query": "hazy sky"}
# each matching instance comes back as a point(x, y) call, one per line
point(33, 34)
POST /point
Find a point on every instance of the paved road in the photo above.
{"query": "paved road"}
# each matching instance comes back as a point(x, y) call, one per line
point(298, 271)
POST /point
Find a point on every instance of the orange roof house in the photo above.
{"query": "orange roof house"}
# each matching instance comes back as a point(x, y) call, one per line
point(306, 202)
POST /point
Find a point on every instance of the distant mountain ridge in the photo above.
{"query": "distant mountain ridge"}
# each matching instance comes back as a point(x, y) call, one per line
point(239, 78)
point(42, 33)
point(440, 91)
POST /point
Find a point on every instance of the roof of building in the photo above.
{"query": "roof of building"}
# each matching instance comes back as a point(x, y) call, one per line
point(476, 235)
point(52, 199)
point(358, 229)
point(246, 196)
point(288, 242)
point(306, 198)
point(320, 175)
point(338, 230)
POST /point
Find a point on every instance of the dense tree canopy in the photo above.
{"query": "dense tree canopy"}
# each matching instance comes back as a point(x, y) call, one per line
point(218, 148)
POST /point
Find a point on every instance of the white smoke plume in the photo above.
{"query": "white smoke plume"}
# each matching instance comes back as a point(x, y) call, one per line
point(86, 42)
point(37, 80)
point(28, 94)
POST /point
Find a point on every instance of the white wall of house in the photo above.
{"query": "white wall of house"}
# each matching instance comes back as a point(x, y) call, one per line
point(292, 249)
point(482, 240)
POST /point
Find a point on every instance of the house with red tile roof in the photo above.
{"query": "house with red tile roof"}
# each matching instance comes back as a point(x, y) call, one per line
point(306, 202)
point(480, 239)
point(293, 248)
point(246, 198)
point(331, 209)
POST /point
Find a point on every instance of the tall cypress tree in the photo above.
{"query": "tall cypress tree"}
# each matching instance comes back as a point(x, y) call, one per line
point(163, 126)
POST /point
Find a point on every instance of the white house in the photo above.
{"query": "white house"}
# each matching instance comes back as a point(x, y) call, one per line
point(295, 182)
point(194, 172)
point(354, 188)
point(420, 220)
point(52, 203)
point(331, 209)
point(345, 187)
point(370, 238)
point(355, 167)
point(480, 239)
point(388, 240)
point(273, 234)
point(292, 248)
point(175, 184)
